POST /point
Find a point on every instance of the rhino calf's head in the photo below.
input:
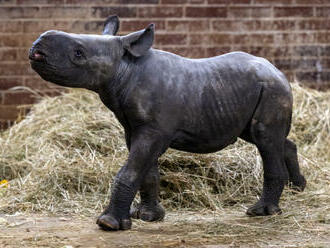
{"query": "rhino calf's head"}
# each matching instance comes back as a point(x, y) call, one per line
point(87, 61)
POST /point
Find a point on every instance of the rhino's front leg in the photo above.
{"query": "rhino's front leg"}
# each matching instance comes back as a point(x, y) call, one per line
point(149, 208)
point(146, 146)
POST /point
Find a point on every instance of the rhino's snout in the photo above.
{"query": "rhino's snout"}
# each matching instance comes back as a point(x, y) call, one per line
point(37, 51)
point(36, 54)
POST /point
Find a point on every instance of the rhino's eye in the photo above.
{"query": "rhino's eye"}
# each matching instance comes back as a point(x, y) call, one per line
point(78, 53)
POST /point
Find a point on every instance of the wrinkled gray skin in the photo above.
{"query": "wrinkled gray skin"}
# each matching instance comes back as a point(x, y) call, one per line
point(163, 100)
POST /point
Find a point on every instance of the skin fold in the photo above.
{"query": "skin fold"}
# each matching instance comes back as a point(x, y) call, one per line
point(164, 100)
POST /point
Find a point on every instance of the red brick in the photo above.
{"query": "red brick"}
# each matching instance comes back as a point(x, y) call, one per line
point(261, 50)
point(240, 48)
point(182, 1)
point(218, 1)
point(137, 1)
point(196, 1)
point(275, 24)
point(300, 38)
point(15, 69)
point(133, 25)
point(283, 25)
point(8, 54)
point(190, 52)
point(229, 1)
point(9, 112)
point(307, 76)
point(108, 2)
point(210, 39)
point(248, 12)
point(321, 86)
point(325, 63)
point(39, 84)
point(306, 51)
point(305, 2)
point(94, 27)
point(241, 39)
point(8, 2)
point(274, 2)
point(60, 12)
point(42, 26)
point(290, 76)
point(323, 37)
point(9, 40)
point(206, 12)
point(264, 39)
point(28, 39)
point(9, 82)
point(53, 93)
point(271, 51)
point(86, 2)
point(233, 25)
point(323, 12)
point(37, 2)
point(198, 39)
point(314, 24)
point(11, 26)
point(4, 124)
point(281, 51)
point(18, 97)
point(17, 40)
point(43, 12)
point(260, 12)
point(191, 26)
point(306, 38)
point(324, 50)
point(152, 12)
point(174, 1)
point(298, 64)
point(171, 39)
point(293, 11)
point(325, 76)
point(218, 50)
point(18, 12)
point(104, 12)
point(220, 39)
point(283, 38)
point(22, 54)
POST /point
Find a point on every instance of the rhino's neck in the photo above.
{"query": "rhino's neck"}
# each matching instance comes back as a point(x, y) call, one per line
point(113, 90)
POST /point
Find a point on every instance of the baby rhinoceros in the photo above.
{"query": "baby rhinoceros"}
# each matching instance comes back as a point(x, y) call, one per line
point(164, 100)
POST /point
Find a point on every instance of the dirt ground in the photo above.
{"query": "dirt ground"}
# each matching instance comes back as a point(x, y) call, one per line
point(179, 229)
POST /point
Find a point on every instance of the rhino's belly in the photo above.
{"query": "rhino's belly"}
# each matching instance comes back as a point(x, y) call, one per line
point(213, 125)
point(199, 143)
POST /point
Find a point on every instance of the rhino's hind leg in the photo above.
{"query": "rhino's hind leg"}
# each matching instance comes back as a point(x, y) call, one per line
point(296, 180)
point(149, 208)
point(268, 130)
point(275, 174)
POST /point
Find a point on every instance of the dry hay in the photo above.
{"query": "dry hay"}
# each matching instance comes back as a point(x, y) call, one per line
point(64, 155)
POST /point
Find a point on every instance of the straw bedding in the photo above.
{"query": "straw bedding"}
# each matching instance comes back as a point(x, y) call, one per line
point(64, 155)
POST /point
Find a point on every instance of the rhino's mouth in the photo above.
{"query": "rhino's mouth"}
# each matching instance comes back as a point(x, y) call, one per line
point(39, 63)
point(37, 55)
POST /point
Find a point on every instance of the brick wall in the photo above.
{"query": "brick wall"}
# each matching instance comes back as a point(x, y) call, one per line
point(293, 34)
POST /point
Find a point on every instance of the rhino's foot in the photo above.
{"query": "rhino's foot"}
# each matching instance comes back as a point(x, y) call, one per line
point(148, 213)
point(109, 223)
point(298, 184)
point(261, 209)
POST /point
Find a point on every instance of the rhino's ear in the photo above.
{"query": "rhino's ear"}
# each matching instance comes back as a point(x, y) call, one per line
point(111, 25)
point(138, 43)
